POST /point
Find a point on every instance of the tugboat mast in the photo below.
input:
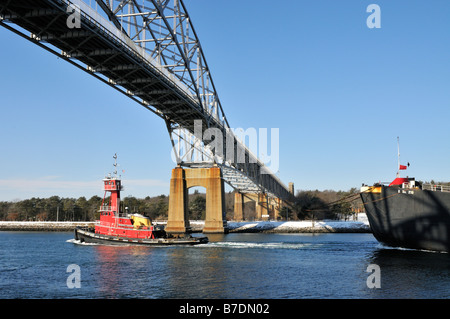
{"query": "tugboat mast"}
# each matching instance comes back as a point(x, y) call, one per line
point(115, 165)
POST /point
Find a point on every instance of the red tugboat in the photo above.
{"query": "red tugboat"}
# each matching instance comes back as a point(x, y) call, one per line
point(117, 227)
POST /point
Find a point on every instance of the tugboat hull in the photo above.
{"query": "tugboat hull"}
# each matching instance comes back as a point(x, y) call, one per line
point(84, 235)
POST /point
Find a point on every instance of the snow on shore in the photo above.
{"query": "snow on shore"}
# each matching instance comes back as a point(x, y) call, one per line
point(41, 226)
point(299, 226)
point(308, 226)
point(243, 226)
point(26, 223)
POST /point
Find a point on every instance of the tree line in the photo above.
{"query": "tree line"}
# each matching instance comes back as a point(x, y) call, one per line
point(56, 208)
point(328, 204)
point(308, 205)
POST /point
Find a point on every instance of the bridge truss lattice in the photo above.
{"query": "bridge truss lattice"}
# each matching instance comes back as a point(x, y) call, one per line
point(149, 51)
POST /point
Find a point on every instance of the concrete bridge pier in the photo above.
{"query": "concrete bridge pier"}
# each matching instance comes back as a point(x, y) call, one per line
point(265, 206)
point(178, 219)
point(182, 179)
point(277, 207)
point(238, 206)
point(262, 207)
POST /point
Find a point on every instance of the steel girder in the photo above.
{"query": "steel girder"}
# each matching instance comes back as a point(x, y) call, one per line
point(148, 50)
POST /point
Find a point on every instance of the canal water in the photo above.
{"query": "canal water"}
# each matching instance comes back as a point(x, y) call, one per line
point(239, 266)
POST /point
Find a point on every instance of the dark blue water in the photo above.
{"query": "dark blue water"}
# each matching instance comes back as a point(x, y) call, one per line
point(270, 266)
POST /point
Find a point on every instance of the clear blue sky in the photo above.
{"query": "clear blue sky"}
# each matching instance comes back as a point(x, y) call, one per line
point(339, 92)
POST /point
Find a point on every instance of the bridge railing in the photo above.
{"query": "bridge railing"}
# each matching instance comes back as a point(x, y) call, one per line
point(436, 188)
point(102, 23)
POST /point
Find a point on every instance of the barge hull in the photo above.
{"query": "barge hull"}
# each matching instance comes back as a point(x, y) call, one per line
point(410, 218)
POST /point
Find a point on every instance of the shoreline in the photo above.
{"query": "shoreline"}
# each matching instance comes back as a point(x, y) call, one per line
point(324, 226)
point(42, 226)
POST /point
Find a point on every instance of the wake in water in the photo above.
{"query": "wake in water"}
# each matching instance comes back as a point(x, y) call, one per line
point(386, 247)
point(78, 242)
point(235, 245)
point(253, 245)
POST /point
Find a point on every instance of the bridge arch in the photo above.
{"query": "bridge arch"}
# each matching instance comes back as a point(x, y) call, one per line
point(197, 203)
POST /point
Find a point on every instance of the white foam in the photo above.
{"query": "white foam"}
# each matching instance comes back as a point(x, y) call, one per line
point(78, 242)
point(382, 246)
point(250, 245)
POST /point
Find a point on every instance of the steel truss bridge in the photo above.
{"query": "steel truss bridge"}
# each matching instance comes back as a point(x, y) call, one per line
point(149, 51)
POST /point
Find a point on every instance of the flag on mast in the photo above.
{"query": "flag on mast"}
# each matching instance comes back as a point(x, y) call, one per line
point(400, 167)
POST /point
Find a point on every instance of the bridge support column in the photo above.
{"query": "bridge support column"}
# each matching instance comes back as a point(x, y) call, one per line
point(215, 202)
point(238, 206)
point(275, 207)
point(262, 211)
point(181, 181)
point(178, 221)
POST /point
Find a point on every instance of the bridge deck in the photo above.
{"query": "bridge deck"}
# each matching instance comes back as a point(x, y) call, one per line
point(107, 53)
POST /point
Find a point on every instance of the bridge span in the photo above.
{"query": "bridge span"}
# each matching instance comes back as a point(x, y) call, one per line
point(149, 51)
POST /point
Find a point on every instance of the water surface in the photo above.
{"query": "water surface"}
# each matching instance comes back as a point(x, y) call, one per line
point(271, 266)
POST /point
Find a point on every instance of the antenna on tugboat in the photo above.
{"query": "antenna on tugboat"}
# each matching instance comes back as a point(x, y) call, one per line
point(115, 164)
